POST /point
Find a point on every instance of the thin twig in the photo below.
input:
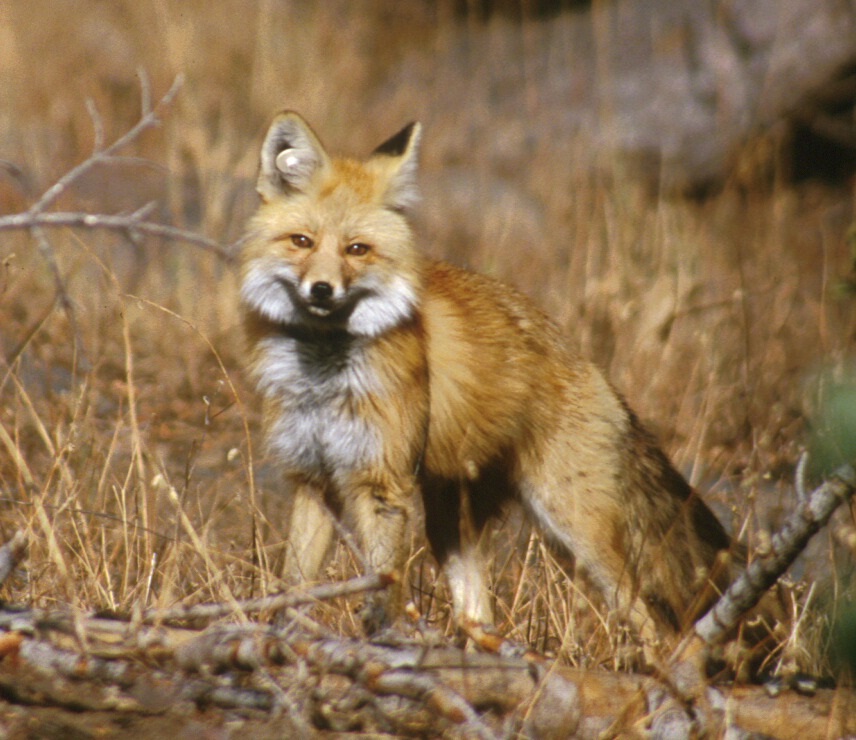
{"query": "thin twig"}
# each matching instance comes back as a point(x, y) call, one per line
point(149, 119)
point(33, 219)
point(275, 602)
point(97, 126)
point(800, 476)
point(131, 224)
point(145, 91)
point(62, 296)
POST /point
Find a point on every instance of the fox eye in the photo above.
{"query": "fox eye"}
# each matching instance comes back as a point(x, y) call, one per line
point(301, 241)
point(357, 249)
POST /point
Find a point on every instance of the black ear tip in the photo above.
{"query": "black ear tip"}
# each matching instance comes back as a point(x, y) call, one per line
point(396, 145)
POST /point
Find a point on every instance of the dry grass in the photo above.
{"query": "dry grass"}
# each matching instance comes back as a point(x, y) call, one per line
point(128, 438)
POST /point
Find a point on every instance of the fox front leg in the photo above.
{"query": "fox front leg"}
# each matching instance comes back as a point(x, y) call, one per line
point(381, 516)
point(310, 534)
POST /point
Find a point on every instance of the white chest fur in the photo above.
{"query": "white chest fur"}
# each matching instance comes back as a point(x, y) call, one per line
point(315, 391)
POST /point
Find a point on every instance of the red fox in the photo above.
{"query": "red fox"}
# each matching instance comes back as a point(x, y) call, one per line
point(392, 381)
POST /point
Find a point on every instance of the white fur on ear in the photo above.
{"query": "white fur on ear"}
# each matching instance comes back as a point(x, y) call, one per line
point(290, 157)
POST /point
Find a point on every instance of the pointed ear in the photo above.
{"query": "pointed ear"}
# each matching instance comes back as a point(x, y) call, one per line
point(291, 155)
point(399, 159)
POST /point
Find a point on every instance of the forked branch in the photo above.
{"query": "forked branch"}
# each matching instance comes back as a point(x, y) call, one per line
point(690, 705)
point(148, 119)
point(810, 516)
point(38, 217)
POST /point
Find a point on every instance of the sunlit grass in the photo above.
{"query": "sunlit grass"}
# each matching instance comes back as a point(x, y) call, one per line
point(129, 446)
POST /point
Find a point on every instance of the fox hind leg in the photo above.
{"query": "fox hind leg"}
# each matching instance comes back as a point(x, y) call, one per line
point(587, 520)
point(455, 515)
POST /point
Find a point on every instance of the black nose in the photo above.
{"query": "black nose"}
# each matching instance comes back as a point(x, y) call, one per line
point(321, 291)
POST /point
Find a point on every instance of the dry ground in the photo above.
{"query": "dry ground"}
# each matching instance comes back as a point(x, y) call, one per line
point(130, 450)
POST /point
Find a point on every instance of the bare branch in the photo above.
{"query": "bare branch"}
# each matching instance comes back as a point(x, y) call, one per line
point(276, 602)
point(148, 120)
point(36, 217)
point(145, 91)
point(11, 554)
point(144, 211)
point(800, 476)
point(133, 224)
point(97, 126)
point(804, 522)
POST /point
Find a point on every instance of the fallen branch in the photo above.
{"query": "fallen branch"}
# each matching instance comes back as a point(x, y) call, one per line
point(688, 705)
point(454, 684)
point(436, 690)
point(810, 516)
point(406, 686)
point(272, 603)
point(812, 513)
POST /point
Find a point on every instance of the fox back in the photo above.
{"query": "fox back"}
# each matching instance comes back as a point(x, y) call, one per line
point(394, 383)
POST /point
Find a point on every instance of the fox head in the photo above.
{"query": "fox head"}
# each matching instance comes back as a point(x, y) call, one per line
point(330, 246)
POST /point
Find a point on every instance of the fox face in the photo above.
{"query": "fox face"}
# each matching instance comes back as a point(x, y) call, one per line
point(330, 247)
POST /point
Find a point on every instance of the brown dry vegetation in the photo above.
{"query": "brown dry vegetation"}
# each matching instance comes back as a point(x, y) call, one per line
point(129, 448)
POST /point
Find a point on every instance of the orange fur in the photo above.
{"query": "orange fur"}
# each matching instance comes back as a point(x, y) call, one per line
point(392, 381)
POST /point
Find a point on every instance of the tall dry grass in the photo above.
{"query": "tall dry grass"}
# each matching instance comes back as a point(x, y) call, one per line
point(129, 449)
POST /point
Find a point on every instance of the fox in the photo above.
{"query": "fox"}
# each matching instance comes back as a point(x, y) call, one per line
point(398, 389)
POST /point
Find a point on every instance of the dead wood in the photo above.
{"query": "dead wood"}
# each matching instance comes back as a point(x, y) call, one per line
point(161, 663)
point(273, 603)
point(11, 554)
point(688, 703)
point(812, 513)
point(406, 687)
point(810, 516)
